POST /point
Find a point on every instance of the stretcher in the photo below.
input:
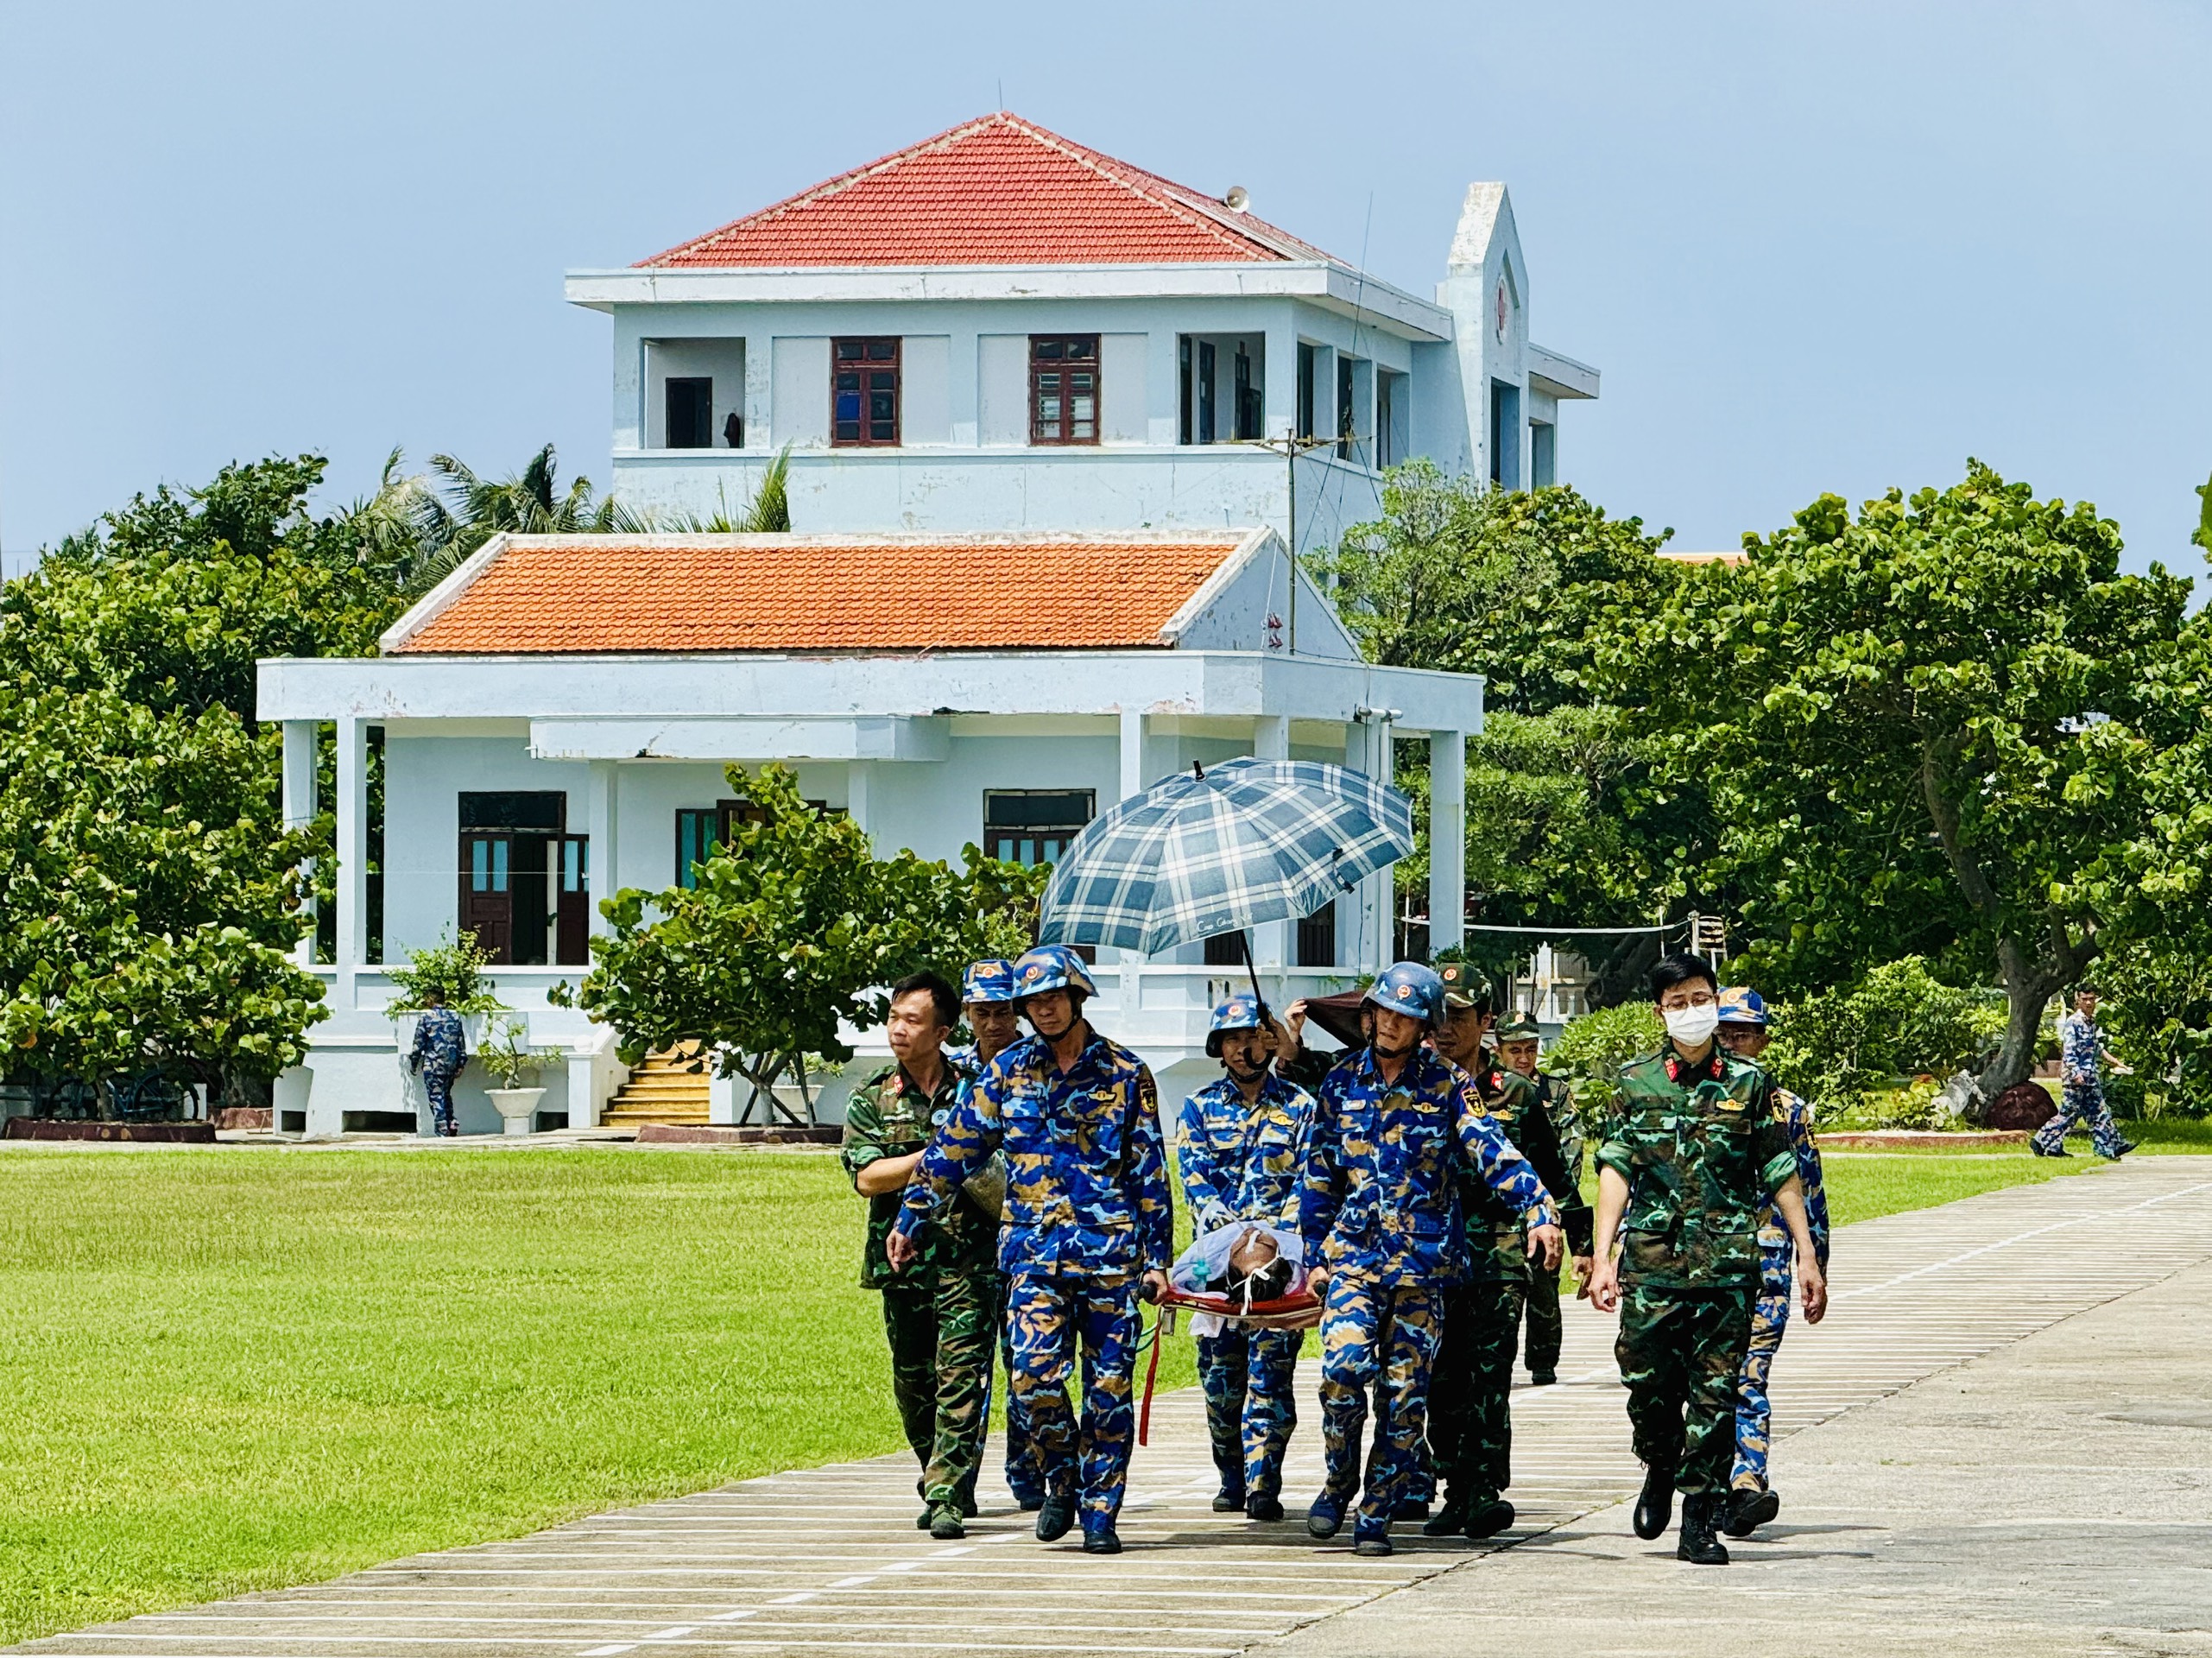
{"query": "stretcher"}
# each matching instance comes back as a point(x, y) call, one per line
point(1299, 1310)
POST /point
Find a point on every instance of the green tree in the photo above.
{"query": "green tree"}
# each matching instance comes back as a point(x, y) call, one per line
point(468, 510)
point(1575, 817)
point(788, 936)
point(1917, 728)
point(151, 898)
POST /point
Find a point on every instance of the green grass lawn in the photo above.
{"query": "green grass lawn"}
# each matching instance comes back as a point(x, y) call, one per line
point(243, 1368)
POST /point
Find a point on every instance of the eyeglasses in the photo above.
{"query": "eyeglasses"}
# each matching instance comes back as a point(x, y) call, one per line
point(1675, 1002)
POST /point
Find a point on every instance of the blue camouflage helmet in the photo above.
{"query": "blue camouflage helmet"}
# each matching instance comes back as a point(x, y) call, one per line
point(1238, 1013)
point(1051, 967)
point(1409, 987)
point(991, 980)
point(1742, 1005)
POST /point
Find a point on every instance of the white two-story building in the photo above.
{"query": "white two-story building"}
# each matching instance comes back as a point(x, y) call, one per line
point(1040, 562)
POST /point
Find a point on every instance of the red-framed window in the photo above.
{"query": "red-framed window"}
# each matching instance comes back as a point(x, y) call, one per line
point(1063, 389)
point(864, 392)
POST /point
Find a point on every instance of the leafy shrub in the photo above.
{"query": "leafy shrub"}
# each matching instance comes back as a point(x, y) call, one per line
point(1594, 1047)
point(1900, 1020)
point(454, 968)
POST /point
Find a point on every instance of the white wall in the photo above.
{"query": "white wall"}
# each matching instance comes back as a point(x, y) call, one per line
point(800, 414)
point(1002, 389)
point(722, 359)
point(1123, 398)
point(924, 390)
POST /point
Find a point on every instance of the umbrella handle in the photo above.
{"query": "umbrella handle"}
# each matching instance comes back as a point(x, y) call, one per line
point(1244, 938)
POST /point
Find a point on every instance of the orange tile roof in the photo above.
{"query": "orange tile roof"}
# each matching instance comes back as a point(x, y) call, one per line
point(587, 593)
point(998, 191)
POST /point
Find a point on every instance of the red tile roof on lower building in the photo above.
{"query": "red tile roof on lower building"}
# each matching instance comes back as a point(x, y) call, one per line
point(998, 191)
point(580, 594)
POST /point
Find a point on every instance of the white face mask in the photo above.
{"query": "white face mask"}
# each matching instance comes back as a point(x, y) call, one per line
point(1692, 1026)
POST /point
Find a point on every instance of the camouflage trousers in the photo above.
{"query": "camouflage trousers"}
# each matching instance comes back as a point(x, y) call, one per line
point(1471, 1415)
point(1545, 1330)
point(1025, 1468)
point(2083, 1105)
point(1681, 1353)
point(1054, 1311)
point(1754, 1414)
point(438, 1085)
point(1250, 1378)
point(940, 1327)
point(1384, 1338)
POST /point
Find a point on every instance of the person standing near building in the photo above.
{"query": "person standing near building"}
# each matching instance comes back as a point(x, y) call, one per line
point(1694, 1148)
point(1752, 1500)
point(1519, 1040)
point(1379, 1212)
point(1089, 1227)
point(2081, 1058)
point(1470, 1418)
point(1240, 1152)
point(987, 999)
point(441, 1048)
point(940, 1309)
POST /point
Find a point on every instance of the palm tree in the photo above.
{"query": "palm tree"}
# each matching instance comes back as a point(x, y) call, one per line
point(528, 503)
point(768, 513)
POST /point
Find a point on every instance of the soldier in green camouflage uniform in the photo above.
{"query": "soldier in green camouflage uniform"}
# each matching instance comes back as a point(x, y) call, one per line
point(1518, 1037)
point(1694, 1146)
point(1470, 1418)
point(942, 1314)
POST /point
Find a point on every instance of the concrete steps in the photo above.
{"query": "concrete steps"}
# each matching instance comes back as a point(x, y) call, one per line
point(662, 1091)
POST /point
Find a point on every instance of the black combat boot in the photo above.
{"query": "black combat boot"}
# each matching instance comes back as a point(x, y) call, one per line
point(1231, 1498)
point(1749, 1509)
point(1489, 1519)
point(1261, 1506)
point(1655, 1507)
point(1056, 1516)
point(945, 1524)
point(1698, 1545)
point(1101, 1540)
point(1452, 1519)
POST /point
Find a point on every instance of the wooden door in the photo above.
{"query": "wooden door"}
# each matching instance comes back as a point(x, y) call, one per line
point(488, 891)
point(573, 909)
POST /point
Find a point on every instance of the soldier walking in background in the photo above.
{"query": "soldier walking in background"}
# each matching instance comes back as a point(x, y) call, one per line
point(987, 999)
point(940, 1311)
point(1470, 1422)
point(1693, 1148)
point(1752, 1500)
point(1380, 1212)
point(1519, 1040)
point(2081, 1058)
point(1240, 1152)
point(441, 1048)
point(1088, 1226)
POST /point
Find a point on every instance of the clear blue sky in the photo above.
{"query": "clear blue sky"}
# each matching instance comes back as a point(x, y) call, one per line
point(1812, 246)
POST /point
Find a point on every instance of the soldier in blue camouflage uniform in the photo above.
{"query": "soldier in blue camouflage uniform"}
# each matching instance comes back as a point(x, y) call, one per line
point(1240, 1152)
point(1694, 1146)
point(1380, 1210)
point(940, 1313)
point(440, 1050)
point(1752, 1500)
point(1089, 1226)
point(987, 999)
point(1470, 1418)
point(1519, 1042)
point(2082, 1057)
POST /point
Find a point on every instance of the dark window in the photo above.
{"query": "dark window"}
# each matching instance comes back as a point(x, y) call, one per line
point(1033, 825)
point(1543, 455)
point(691, 413)
point(1505, 435)
point(1344, 431)
point(1249, 412)
point(1316, 938)
point(1225, 950)
point(1305, 389)
point(864, 392)
point(1386, 411)
point(1063, 389)
point(1206, 391)
point(524, 882)
point(1188, 405)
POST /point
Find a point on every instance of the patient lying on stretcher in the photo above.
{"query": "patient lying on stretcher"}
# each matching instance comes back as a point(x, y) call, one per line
point(1234, 1268)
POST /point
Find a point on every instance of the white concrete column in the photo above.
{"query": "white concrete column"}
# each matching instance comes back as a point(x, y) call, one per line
point(1132, 725)
point(600, 812)
point(1447, 839)
point(859, 776)
point(1271, 943)
point(300, 812)
point(352, 856)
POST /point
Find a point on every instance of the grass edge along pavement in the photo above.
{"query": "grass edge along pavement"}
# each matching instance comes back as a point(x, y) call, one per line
point(240, 1369)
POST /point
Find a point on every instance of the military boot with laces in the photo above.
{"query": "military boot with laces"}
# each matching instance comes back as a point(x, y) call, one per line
point(1452, 1519)
point(1699, 1546)
point(1655, 1503)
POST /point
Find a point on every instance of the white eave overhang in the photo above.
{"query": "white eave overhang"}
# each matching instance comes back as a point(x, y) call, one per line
point(1559, 377)
point(679, 705)
point(1330, 286)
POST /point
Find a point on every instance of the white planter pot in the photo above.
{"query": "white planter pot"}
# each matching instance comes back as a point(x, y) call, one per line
point(518, 1107)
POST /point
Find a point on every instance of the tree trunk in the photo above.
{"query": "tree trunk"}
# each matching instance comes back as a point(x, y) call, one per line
point(2030, 981)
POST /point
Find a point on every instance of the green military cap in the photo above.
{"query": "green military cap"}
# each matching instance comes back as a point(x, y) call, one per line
point(1465, 985)
point(1517, 1027)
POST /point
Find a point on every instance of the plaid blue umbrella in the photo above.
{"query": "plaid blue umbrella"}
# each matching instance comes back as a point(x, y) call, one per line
point(1222, 851)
